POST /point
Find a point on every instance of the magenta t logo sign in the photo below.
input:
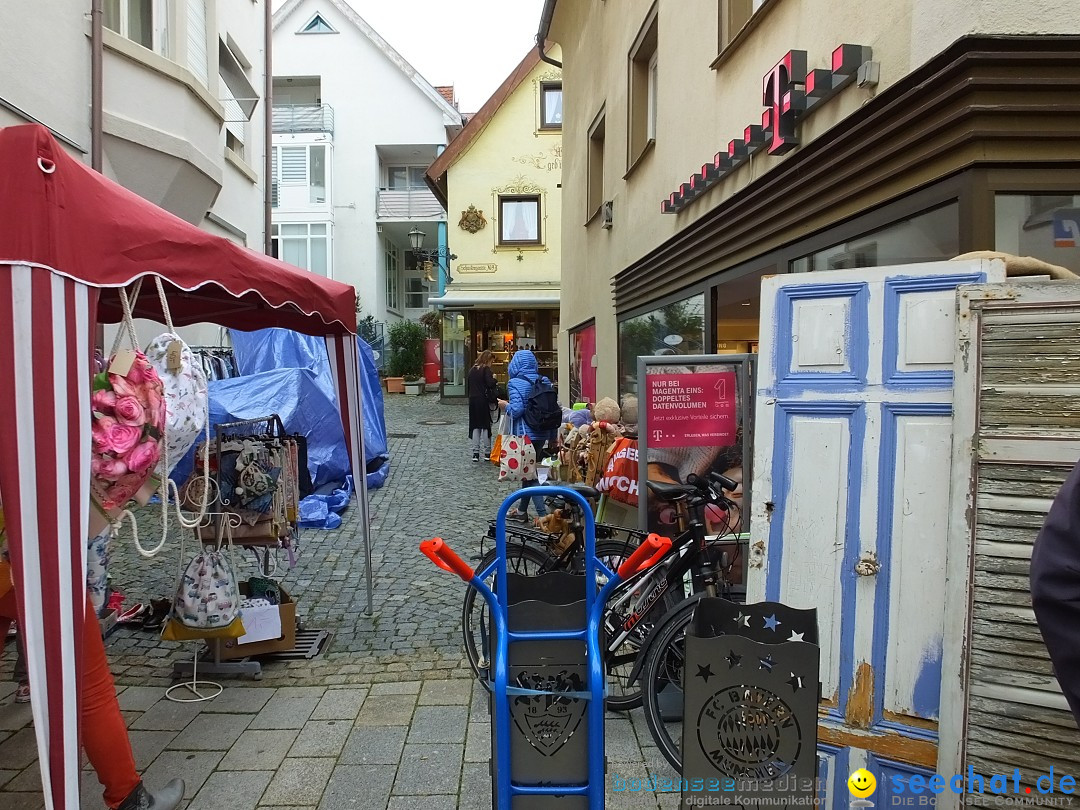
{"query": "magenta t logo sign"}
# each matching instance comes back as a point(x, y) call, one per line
point(785, 97)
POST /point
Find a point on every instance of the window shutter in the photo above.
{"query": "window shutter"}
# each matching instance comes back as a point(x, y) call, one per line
point(196, 45)
point(294, 165)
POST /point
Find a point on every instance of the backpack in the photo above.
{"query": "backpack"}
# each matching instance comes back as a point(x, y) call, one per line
point(542, 409)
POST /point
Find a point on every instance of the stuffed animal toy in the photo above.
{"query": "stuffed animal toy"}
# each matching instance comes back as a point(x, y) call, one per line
point(556, 523)
point(629, 420)
point(606, 410)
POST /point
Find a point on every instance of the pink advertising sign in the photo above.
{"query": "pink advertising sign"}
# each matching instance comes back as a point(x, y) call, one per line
point(687, 410)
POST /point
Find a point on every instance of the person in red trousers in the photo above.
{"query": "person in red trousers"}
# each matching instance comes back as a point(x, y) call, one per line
point(104, 733)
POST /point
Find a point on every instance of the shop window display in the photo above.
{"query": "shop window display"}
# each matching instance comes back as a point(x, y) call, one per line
point(1045, 226)
point(675, 329)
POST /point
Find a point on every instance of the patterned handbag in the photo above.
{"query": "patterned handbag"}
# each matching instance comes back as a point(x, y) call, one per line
point(207, 600)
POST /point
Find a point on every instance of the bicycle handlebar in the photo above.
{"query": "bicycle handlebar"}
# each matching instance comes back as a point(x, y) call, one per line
point(443, 556)
point(645, 555)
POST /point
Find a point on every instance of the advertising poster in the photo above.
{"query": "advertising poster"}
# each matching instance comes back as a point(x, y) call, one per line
point(692, 423)
point(582, 371)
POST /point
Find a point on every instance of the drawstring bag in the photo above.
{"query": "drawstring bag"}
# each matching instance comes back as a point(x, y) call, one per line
point(207, 600)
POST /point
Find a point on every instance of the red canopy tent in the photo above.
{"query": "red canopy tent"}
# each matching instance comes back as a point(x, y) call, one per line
point(69, 240)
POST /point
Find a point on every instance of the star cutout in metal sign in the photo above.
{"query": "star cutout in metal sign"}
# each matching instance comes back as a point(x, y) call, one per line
point(796, 682)
point(771, 622)
point(766, 663)
point(733, 660)
point(796, 636)
point(705, 672)
point(742, 619)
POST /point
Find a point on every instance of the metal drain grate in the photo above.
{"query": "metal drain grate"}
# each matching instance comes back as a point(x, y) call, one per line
point(402, 435)
point(436, 422)
point(309, 643)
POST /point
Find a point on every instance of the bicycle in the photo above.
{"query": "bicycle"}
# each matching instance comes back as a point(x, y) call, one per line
point(637, 603)
point(661, 667)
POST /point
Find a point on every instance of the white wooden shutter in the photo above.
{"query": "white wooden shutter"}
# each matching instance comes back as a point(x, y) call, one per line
point(196, 40)
point(294, 165)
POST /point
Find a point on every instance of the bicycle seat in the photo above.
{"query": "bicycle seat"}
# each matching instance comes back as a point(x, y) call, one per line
point(586, 492)
point(670, 492)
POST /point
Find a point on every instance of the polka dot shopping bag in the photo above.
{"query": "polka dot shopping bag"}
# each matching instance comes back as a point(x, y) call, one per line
point(518, 459)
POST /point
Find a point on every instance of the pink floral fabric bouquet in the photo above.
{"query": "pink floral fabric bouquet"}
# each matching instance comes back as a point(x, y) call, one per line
point(128, 415)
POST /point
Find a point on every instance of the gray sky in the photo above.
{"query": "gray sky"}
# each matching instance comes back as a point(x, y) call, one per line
point(471, 44)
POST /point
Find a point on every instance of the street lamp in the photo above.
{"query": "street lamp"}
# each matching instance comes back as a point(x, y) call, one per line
point(416, 242)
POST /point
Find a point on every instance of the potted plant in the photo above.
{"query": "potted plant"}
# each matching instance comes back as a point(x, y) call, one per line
point(405, 341)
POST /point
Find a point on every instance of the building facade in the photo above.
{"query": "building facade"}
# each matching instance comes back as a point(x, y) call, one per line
point(736, 139)
point(355, 127)
point(501, 182)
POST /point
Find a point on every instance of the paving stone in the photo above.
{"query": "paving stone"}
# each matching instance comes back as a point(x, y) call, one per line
point(439, 724)
point(301, 691)
point(147, 745)
point(429, 769)
point(239, 700)
point(18, 750)
point(321, 738)
point(139, 698)
point(23, 801)
point(8, 687)
point(192, 766)
point(168, 716)
point(397, 688)
point(259, 750)
point(285, 712)
point(386, 710)
point(426, 802)
point(211, 732)
point(358, 786)
point(28, 781)
point(239, 790)
point(299, 781)
point(340, 704)
point(475, 787)
point(7, 776)
point(374, 745)
point(14, 716)
point(456, 692)
point(620, 743)
point(478, 743)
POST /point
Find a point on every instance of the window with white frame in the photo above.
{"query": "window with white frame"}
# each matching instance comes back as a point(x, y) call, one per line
point(141, 21)
point(415, 293)
point(393, 282)
point(400, 178)
point(519, 219)
point(303, 244)
point(300, 165)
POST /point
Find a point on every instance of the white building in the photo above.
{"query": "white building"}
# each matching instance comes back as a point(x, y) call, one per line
point(182, 122)
point(355, 128)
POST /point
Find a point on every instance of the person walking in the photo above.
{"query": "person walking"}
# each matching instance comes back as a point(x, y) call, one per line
point(480, 387)
point(1055, 587)
point(524, 373)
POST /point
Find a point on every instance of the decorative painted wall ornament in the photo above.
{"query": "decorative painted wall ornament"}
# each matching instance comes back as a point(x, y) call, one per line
point(519, 185)
point(550, 161)
point(790, 93)
point(476, 268)
point(472, 220)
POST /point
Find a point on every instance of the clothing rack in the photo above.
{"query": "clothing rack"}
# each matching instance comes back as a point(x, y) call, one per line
point(218, 362)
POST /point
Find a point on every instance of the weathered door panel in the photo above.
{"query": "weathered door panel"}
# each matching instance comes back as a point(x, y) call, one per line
point(1017, 429)
point(851, 505)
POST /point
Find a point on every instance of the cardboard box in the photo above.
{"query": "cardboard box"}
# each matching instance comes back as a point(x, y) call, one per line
point(229, 649)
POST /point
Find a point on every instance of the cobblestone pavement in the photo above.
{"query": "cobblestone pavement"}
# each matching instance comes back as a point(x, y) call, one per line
point(387, 718)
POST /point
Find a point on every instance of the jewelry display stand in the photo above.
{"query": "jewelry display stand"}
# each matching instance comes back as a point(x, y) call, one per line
point(193, 685)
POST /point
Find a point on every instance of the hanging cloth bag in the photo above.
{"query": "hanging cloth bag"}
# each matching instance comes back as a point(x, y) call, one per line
point(518, 459)
point(207, 600)
point(496, 446)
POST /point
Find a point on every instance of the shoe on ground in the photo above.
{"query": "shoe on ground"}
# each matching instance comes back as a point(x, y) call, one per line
point(475, 458)
point(22, 694)
point(168, 798)
point(515, 514)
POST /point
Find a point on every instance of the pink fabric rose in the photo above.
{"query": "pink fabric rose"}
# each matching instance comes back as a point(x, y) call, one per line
point(144, 457)
point(155, 405)
point(99, 433)
point(120, 439)
point(108, 469)
point(122, 386)
point(129, 411)
point(137, 373)
point(103, 402)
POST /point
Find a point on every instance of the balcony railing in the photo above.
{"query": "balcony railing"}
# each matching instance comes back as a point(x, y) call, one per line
point(303, 118)
point(407, 203)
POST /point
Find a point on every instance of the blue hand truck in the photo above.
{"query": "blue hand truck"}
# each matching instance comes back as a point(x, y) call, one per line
point(645, 555)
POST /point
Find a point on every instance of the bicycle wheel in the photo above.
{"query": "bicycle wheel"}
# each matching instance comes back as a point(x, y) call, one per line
point(475, 614)
point(622, 696)
point(662, 681)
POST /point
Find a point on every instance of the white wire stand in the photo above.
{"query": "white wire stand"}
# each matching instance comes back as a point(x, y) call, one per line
point(198, 691)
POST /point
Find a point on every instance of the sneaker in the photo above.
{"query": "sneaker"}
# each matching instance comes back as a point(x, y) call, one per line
point(22, 694)
point(476, 458)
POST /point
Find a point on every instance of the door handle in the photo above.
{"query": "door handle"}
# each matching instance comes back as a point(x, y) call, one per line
point(867, 565)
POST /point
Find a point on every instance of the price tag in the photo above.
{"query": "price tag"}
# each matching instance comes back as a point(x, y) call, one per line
point(122, 362)
point(172, 356)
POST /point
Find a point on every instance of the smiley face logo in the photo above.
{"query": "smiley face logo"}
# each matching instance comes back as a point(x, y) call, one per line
point(862, 783)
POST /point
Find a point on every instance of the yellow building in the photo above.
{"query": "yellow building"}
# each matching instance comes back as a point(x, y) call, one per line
point(500, 181)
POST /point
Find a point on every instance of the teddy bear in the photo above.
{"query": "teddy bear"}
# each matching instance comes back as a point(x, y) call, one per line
point(556, 523)
point(629, 422)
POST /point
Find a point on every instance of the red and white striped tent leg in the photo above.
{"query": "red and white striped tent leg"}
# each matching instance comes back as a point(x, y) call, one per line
point(344, 364)
point(46, 346)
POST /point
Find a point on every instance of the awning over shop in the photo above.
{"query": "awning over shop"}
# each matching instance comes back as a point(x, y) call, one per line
point(497, 299)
